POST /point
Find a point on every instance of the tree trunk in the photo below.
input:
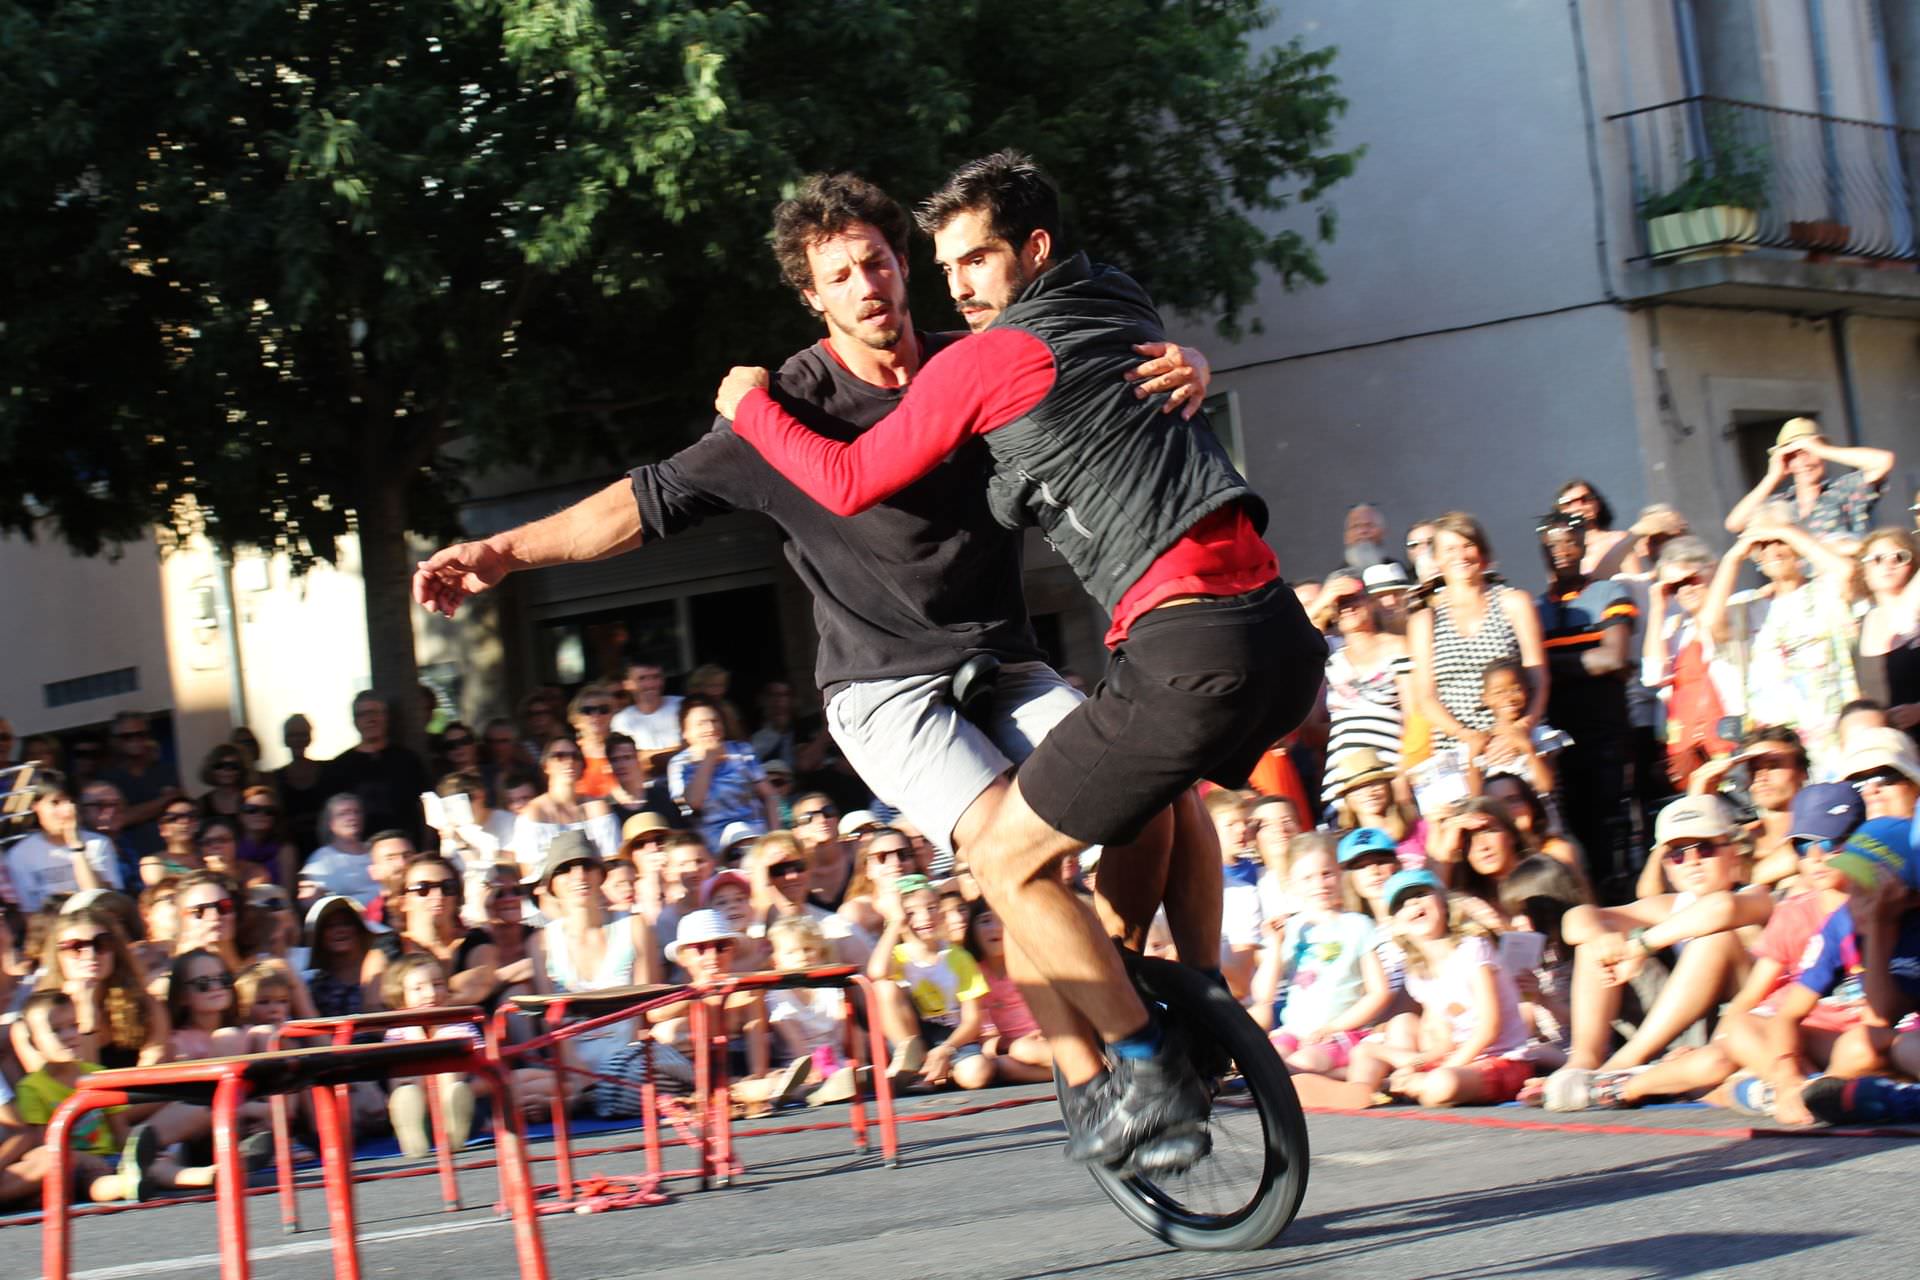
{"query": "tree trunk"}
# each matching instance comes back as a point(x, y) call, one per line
point(386, 570)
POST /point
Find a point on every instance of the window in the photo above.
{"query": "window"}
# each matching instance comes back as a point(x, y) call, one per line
point(103, 684)
point(1753, 432)
point(1222, 412)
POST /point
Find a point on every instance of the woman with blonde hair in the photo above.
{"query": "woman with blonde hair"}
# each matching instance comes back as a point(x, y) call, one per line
point(87, 956)
point(1890, 633)
point(782, 872)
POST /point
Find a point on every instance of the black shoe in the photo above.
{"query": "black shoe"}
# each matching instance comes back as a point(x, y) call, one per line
point(1169, 1153)
point(1145, 1098)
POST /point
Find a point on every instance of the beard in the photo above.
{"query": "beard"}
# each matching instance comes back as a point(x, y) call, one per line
point(884, 339)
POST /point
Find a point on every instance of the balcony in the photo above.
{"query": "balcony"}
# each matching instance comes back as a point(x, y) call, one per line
point(1751, 206)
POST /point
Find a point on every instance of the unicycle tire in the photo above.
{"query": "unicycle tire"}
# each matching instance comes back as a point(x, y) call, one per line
point(1258, 1130)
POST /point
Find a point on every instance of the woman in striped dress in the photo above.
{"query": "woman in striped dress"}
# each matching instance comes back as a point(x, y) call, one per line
point(1369, 676)
point(1471, 623)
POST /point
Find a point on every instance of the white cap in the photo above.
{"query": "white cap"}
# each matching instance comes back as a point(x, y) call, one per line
point(857, 821)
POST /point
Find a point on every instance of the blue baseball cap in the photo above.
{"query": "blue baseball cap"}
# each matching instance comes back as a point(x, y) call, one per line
point(1406, 882)
point(1364, 840)
point(1881, 845)
point(1826, 811)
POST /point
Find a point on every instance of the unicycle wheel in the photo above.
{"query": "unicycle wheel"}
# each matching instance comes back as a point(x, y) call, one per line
point(1249, 1186)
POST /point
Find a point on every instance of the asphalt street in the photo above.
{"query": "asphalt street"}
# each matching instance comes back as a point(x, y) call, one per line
point(988, 1197)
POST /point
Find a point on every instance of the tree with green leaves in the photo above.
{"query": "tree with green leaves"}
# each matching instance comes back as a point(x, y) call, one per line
point(286, 271)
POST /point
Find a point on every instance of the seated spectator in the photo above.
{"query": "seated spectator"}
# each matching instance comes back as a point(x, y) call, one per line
point(885, 854)
point(1884, 767)
point(718, 780)
point(1777, 767)
point(58, 1043)
point(1703, 923)
point(815, 826)
point(1536, 899)
point(103, 810)
point(936, 1028)
point(87, 959)
point(1533, 819)
point(225, 774)
point(1476, 849)
point(1361, 786)
point(706, 949)
point(782, 873)
point(263, 841)
point(429, 923)
point(643, 846)
point(1273, 822)
point(201, 1008)
point(1241, 916)
point(417, 981)
point(470, 832)
point(808, 1022)
point(1824, 815)
point(58, 857)
point(730, 896)
point(629, 795)
point(735, 842)
point(561, 808)
point(1469, 1045)
point(219, 843)
point(503, 913)
point(1368, 859)
point(179, 827)
point(710, 681)
point(1797, 472)
point(1333, 983)
point(344, 977)
point(263, 998)
point(160, 921)
point(1859, 978)
point(653, 721)
point(341, 865)
point(618, 887)
point(1013, 1045)
point(688, 866)
point(388, 853)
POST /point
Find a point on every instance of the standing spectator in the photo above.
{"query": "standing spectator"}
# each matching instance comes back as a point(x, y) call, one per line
point(591, 715)
point(340, 865)
point(561, 808)
point(102, 809)
point(144, 779)
point(1471, 623)
point(86, 758)
point(1365, 536)
point(1608, 550)
point(224, 774)
point(1587, 623)
point(249, 745)
point(1799, 671)
point(1420, 556)
point(1391, 590)
point(1890, 633)
point(263, 840)
point(386, 776)
point(60, 857)
point(1683, 665)
point(298, 782)
point(716, 780)
point(1368, 677)
point(1797, 470)
point(653, 721)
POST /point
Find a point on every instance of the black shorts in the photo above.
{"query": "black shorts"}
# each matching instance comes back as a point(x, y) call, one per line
point(1195, 691)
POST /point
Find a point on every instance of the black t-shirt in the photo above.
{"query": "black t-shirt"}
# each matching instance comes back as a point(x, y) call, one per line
point(1584, 705)
point(912, 586)
point(388, 781)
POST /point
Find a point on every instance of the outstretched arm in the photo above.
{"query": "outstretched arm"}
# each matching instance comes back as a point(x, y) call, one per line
point(976, 385)
point(605, 524)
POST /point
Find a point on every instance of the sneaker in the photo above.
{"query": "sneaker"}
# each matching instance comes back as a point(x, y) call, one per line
point(1144, 1098)
point(136, 1157)
point(907, 1061)
point(840, 1086)
point(1569, 1089)
point(1606, 1091)
point(1750, 1095)
point(256, 1151)
point(1866, 1100)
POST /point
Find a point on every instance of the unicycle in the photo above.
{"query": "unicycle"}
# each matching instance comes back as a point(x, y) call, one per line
point(1248, 1187)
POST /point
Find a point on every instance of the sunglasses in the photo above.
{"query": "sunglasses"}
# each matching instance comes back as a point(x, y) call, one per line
point(1809, 846)
point(1878, 778)
point(428, 888)
point(787, 870)
point(210, 982)
point(563, 755)
point(97, 944)
point(1693, 851)
point(272, 904)
point(1880, 559)
point(200, 911)
point(597, 709)
point(1345, 603)
point(255, 810)
point(178, 815)
point(1575, 500)
point(451, 743)
point(808, 815)
point(891, 855)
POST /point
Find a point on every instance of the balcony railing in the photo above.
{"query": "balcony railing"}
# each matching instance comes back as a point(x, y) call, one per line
point(1746, 176)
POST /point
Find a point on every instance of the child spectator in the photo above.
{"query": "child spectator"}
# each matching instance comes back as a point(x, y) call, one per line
point(618, 886)
point(265, 1000)
point(1470, 1043)
point(705, 947)
point(808, 1022)
point(730, 894)
point(1368, 859)
point(1694, 836)
point(1241, 913)
point(1013, 1047)
point(1324, 966)
point(936, 1027)
point(50, 1020)
point(416, 981)
point(1513, 746)
point(956, 913)
point(1536, 898)
point(200, 1002)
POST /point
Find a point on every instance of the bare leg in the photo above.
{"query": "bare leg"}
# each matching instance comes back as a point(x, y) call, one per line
point(1707, 970)
point(1133, 880)
point(1074, 1043)
point(1015, 860)
point(1688, 1073)
point(1595, 1003)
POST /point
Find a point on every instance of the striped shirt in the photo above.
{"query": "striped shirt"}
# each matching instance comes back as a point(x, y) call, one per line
point(1363, 710)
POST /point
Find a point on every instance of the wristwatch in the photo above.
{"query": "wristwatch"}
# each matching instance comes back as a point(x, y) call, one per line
point(1639, 938)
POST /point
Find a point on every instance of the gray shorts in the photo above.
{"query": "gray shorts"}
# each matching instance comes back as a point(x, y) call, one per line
point(920, 755)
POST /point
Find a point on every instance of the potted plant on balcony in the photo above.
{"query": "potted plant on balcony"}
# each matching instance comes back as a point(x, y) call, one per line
point(1713, 211)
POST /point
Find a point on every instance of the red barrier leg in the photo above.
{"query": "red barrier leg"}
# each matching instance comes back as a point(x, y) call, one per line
point(516, 1180)
point(230, 1178)
point(720, 1098)
point(443, 1150)
point(56, 1193)
point(283, 1164)
point(702, 1037)
point(336, 1165)
point(650, 1111)
point(562, 1138)
point(882, 1086)
point(856, 1109)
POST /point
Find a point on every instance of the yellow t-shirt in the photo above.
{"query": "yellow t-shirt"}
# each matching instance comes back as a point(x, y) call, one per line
point(939, 986)
point(38, 1095)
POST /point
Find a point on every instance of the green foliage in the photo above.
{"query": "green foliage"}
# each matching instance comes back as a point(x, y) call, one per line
point(1733, 172)
point(273, 258)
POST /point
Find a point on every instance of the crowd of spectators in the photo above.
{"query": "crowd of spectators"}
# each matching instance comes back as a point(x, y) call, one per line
point(1629, 831)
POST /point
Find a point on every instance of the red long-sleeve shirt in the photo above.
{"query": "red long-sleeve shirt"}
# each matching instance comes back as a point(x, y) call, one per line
point(976, 385)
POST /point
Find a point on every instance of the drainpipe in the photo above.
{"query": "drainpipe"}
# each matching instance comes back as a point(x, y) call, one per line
point(229, 632)
point(1843, 361)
